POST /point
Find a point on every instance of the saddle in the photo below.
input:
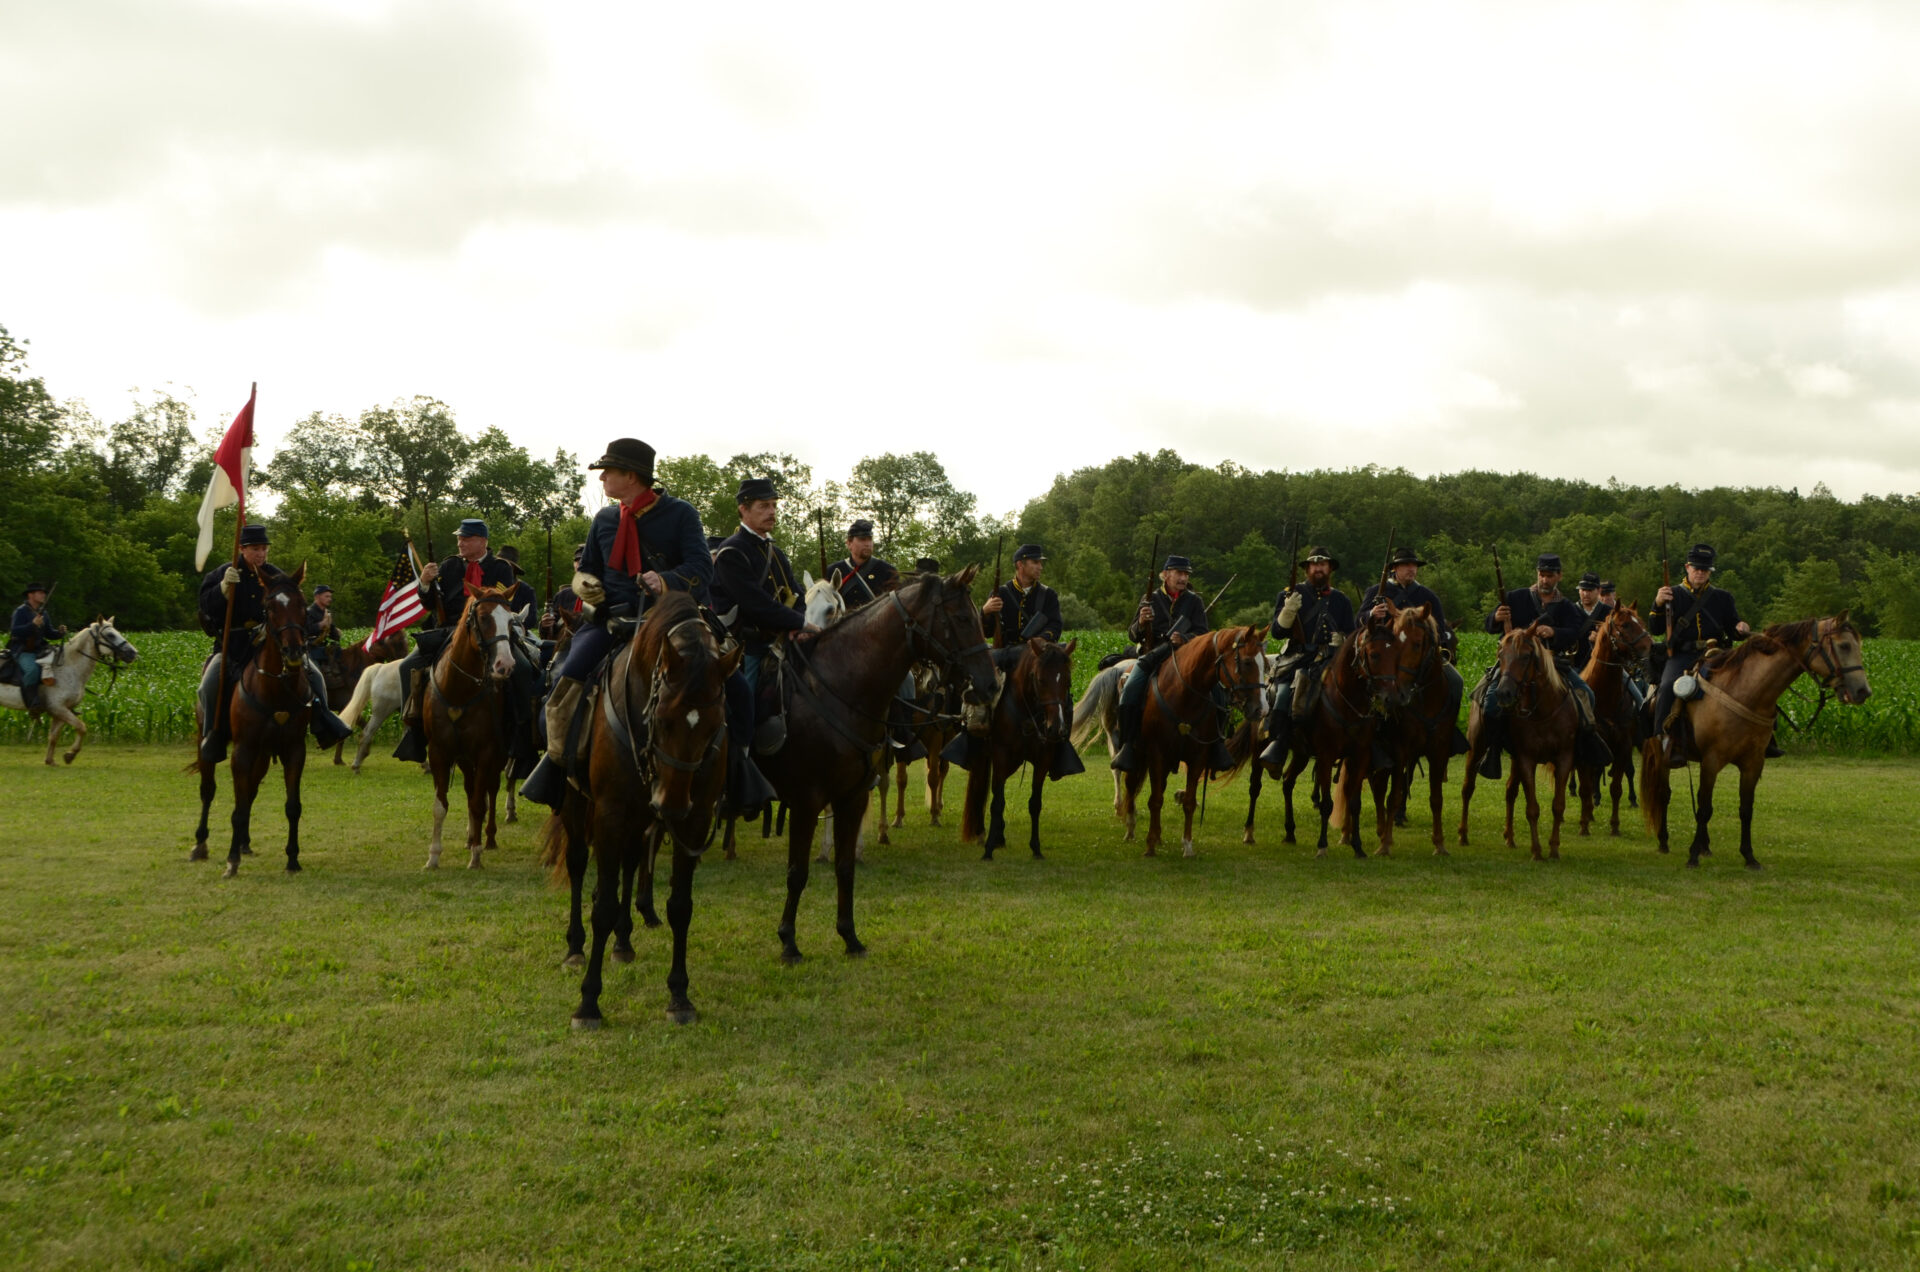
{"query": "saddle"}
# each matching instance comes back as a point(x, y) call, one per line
point(577, 756)
point(9, 668)
point(1117, 656)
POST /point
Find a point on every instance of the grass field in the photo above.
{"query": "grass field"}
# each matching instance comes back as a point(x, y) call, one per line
point(1250, 1059)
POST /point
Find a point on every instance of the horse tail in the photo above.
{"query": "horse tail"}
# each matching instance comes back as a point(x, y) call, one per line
point(974, 806)
point(362, 691)
point(1655, 789)
point(552, 842)
point(1096, 704)
point(1241, 747)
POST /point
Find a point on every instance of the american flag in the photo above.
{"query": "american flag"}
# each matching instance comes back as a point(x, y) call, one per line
point(399, 605)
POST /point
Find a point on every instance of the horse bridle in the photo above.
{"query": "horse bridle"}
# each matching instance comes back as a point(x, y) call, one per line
point(931, 643)
point(471, 621)
point(1034, 725)
point(654, 692)
point(114, 663)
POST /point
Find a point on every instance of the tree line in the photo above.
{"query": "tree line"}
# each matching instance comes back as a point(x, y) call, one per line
point(107, 510)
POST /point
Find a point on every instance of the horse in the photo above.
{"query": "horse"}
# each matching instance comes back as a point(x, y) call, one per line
point(1733, 722)
point(838, 685)
point(937, 723)
point(268, 708)
point(72, 666)
point(1363, 680)
point(1620, 640)
point(464, 715)
point(1421, 727)
point(1542, 726)
point(379, 694)
point(1179, 724)
point(1028, 724)
point(347, 667)
point(1098, 712)
point(657, 765)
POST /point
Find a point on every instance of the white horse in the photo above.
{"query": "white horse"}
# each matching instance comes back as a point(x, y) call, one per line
point(71, 667)
point(378, 695)
point(1099, 710)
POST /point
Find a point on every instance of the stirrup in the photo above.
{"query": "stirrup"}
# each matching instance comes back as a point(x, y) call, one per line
point(546, 784)
point(1275, 752)
point(1490, 763)
point(1126, 761)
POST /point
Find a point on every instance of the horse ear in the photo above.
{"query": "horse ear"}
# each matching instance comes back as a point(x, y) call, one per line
point(1036, 643)
point(1840, 619)
point(966, 576)
point(300, 574)
point(1072, 645)
point(806, 580)
point(471, 589)
point(1419, 613)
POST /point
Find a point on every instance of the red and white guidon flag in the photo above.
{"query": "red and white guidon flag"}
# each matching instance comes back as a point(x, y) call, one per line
point(229, 484)
point(399, 606)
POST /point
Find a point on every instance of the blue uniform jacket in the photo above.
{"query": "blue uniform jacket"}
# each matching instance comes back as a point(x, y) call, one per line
point(1561, 614)
point(1321, 616)
point(1696, 618)
point(25, 636)
point(865, 584)
point(750, 574)
point(1017, 609)
point(451, 586)
point(672, 545)
point(1167, 611)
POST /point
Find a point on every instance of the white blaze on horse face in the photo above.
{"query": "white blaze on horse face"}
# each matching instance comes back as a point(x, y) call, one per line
point(693, 719)
point(498, 629)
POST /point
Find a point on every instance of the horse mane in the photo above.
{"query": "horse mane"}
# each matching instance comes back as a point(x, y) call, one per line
point(668, 613)
point(1780, 638)
point(1543, 655)
point(857, 619)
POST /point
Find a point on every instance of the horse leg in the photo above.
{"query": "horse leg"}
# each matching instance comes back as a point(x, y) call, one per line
point(1703, 811)
point(1034, 800)
point(635, 863)
point(1749, 781)
point(848, 813)
point(576, 878)
point(606, 912)
point(1323, 800)
point(900, 791)
point(1533, 805)
point(997, 811)
point(884, 783)
point(339, 749)
point(247, 772)
point(208, 786)
point(1633, 796)
point(1513, 793)
point(1128, 807)
point(1156, 797)
point(1436, 798)
point(1253, 800)
point(1466, 792)
point(801, 824)
point(292, 764)
point(67, 716)
point(441, 774)
point(1385, 784)
point(936, 784)
point(1586, 784)
point(1353, 789)
point(639, 881)
point(1560, 772)
point(727, 851)
point(490, 790)
point(513, 804)
point(476, 814)
point(680, 1008)
point(1287, 783)
point(1189, 801)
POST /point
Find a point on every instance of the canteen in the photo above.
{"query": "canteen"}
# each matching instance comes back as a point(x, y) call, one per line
point(1686, 687)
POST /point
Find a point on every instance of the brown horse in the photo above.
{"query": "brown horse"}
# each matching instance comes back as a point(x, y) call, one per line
point(1733, 722)
point(267, 713)
point(837, 687)
point(1031, 720)
point(936, 712)
point(1620, 642)
point(1180, 723)
point(341, 672)
point(1421, 727)
point(657, 766)
point(464, 716)
point(1542, 728)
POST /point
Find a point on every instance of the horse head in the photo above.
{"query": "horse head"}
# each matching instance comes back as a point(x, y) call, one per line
point(1242, 669)
point(1526, 666)
point(284, 629)
point(1626, 635)
point(106, 636)
point(824, 606)
point(1044, 681)
point(1419, 639)
point(1378, 656)
point(687, 706)
point(488, 622)
point(1836, 660)
point(943, 627)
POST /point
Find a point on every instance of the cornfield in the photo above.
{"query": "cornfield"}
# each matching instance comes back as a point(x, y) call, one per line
point(153, 700)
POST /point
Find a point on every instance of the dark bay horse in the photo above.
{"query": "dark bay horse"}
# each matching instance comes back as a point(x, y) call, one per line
point(1733, 722)
point(342, 669)
point(936, 722)
point(268, 710)
point(1180, 723)
point(657, 766)
point(837, 687)
point(1421, 726)
point(464, 716)
point(1619, 643)
point(1361, 682)
point(1542, 728)
point(1031, 720)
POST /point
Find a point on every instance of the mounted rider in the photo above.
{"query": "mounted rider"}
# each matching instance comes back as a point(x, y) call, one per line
point(245, 585)
point(757, 597)
point(1168, 617)
point(1543, 604)
point(1314, 619)
point(1405, 591)
point(443, 595)
point(1594, 598)
point(323, 636)
point(861, 576)
point(1014, 613)
point(1695, 617)
point(30, 641)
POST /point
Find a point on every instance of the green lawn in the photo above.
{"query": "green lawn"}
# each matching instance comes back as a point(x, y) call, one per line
point(1093, 1060)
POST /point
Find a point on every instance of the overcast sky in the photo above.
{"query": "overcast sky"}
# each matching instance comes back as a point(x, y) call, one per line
point(1659, 241)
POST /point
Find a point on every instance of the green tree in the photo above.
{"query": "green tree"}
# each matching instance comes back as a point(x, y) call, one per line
point(1891, 593)
point(1813, 589)
point(414, 454)
point(322, 453)
point(30, 420)
point(912, 502)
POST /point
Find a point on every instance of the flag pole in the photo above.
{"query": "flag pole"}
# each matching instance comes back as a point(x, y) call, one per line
point(226, 628)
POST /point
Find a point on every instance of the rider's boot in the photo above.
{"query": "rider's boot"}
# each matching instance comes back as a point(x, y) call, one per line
point(329, 730)
point(547, 784)
point(1773, 746)
point(1127, 758)
point(748, 791)
point(213, 746)
point(30, 694)
point(1281, 731)
point(413, 743)
point(1066, 760)
point(1590, 748)
point(963, 752)
point(1494, 736)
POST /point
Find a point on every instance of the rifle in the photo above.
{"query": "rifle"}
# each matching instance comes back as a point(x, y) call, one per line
point(46, 609)
point(1223, 591)
point(549, 566)
point(999, 632)
point(1386, 571)
point(1146, 597)
point(1500, 582)
point(426, 524)
point(820, 526)
point(1666, 568)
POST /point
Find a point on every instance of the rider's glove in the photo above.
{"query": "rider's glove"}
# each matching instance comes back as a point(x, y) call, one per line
point(588, 589)
point(1290, 608)
point(229, 581)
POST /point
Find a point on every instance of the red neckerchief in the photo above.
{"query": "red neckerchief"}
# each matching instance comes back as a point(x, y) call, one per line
point(474, 574)
point(626, 540)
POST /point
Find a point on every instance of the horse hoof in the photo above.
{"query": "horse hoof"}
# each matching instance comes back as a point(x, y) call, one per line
point(622, 956)
point(512, 817)
point(433, 863)
point(1661, 849)
point(293, 866)
point(1438, 851)
point(574, 960)
point(682, 1014)
point(650, 920)
point(1038, 855)
point(790, 957)
point(856, 950)
point(1187, 850)
point(587, 1022)
point(474, 863)
point(70, 757)
point(199, 853)
point(987, 855)
point(1705, 851)
point(1246, 836)
point(1752, 864)
point(231, 870)
point(246, 852)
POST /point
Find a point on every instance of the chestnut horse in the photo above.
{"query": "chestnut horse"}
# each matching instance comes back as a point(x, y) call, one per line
point(1541, 725)
point(936, 714)
point(464, 716)
point(1031, 720)
point(1180, 723)
point(1620, 641)
point(837, 687)
point(656, 767)
point(1733, 722)
point(267, 710)
point(1420, 727)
